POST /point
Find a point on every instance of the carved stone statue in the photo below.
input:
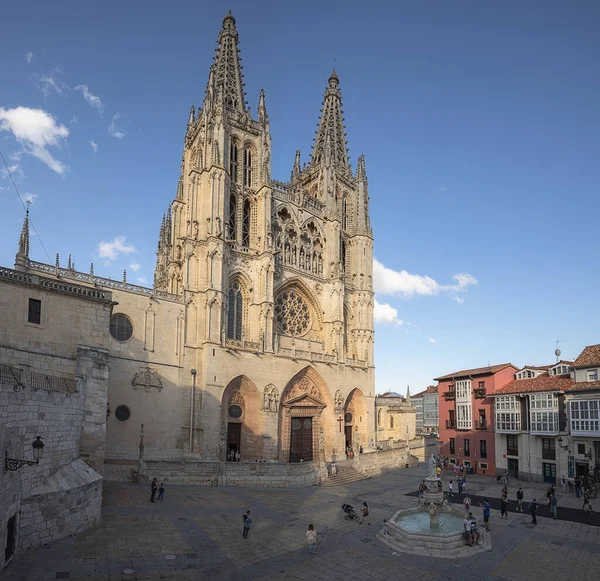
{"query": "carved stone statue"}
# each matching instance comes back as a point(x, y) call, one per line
point(432, 467)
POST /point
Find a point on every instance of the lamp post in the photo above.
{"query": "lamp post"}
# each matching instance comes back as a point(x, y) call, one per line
point(192, 409)
point(13, 464)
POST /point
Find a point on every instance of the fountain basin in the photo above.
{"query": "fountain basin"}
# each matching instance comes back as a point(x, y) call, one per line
point(408, 531)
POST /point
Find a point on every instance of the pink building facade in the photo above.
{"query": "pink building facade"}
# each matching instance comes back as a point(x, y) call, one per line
point(466, 415)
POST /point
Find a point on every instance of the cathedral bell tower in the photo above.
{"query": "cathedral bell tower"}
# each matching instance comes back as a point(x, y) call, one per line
point(216, 226)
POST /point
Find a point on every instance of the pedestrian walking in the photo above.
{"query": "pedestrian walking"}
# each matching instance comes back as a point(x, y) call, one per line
point(450, 488)
point(554, 506)
point(486, 514)
point(161, 492)
point(311, 539)
point(247, 524)
point(504, 507)
point(153, 489)
point(422, 488)
point(520, 500)
point(460, 485)
point(571, 483)
point(533, 511)
point(365, 513)
point(467, 503)
point(464, 482)
point(587, 503)
point(505, 475)
point(577, 487)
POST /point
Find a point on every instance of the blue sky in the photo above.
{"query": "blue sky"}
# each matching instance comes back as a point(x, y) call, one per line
point(479, 122)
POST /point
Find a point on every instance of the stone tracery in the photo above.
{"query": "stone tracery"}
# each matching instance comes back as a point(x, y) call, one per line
point(292, 314)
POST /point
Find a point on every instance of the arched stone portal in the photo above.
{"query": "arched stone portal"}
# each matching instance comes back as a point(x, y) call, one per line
point(305, 426)
point(355, 421)
point(242, 422)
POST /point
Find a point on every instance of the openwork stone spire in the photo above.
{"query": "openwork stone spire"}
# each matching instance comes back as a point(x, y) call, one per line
point(225, 81)
point(22, 258)
point(330, 143)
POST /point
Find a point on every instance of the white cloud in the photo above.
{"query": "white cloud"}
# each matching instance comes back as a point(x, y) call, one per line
point(31, 198)
point(459, 300)
point(94, 145)
point(386, 314)
point(440, 190)
point(135, 266)
point(113, 129)
point(36, 130)
point(15, 171)
point(49, 83)
point(111, 250)
point(93, 100)
point(432, 340)
point(142, 280)
point(402, 283)
point(29, 57)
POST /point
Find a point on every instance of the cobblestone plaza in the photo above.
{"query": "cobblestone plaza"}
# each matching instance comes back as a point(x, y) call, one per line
point(196, 534)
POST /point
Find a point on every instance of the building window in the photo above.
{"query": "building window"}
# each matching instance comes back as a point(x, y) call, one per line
point(248, 167)
point(581, 449)
point(231, 219)
point(548, 449)
point(344, 214)
point(121, 328)
point(122, 413)
point(512, 445)
point(592, 375)
point(543, 412)
point(483, 448)
point(35, 311)
point(391, 422)
point(463, 390)
point(246, 224)
point(585, 416)
point(481, 385)
point(379, 423)
point(235, 312)
point(292, 314)
point(463, 415)
point(467, 447)
point(233, 162)
point(452, 444)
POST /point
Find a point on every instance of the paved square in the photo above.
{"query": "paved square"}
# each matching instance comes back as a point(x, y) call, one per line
point(196, 534)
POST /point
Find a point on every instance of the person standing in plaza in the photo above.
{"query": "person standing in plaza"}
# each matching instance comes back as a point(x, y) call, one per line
point(571, 483)
point(422, 488)
point(563, 484)
point(311, 539)
point(467, 503)
point(365, 513)
point(486, 513)
point(520, 500)
point(554, 506)
point(460, 485)
point(161, 492)
point(450, 489)
point(533, 511)
point(577, 487)
point(504, 506)
point(247, 524)
point(153, 489)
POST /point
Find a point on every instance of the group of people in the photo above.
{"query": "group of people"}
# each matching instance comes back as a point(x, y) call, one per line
point(583, 487)
point(154, 488)
point(233, 455)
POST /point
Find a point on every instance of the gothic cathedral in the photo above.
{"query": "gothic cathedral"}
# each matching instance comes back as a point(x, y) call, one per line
point(256, 341)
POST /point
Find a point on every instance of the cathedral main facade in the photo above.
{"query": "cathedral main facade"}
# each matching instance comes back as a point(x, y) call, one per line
point(257, 339)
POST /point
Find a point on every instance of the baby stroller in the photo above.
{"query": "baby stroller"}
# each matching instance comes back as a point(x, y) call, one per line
point(349, 512)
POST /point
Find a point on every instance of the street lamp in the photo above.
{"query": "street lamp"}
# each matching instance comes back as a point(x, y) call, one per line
point(16, 463)
point(560, 443)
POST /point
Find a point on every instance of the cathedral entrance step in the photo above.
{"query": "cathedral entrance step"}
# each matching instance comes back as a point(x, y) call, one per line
point(345, 475)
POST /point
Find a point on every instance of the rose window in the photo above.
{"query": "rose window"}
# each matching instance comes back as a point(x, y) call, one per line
point(292, 314)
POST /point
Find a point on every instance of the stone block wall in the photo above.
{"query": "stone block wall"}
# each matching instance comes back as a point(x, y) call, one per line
point(383, 461)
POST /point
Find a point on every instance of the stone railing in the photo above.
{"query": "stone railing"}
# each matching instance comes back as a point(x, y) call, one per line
point(242, 344)
point(21, 379)
point(53, 284)
point(101, 281)
point(284, 193)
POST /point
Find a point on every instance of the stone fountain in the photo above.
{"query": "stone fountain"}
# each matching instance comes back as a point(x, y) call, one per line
point(434, 528)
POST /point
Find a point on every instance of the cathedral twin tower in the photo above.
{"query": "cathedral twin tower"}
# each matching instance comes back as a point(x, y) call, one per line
point(275, 282)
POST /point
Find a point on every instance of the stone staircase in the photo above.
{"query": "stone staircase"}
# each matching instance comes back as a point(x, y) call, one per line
point(345, 475)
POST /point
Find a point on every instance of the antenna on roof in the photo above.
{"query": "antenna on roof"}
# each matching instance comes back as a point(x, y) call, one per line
point(557, 352)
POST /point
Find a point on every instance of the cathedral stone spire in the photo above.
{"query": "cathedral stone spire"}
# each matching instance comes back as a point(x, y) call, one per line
point(262, 108)
point(225, 81)
point(330, 143)
point(361, 172)
point(296, 169)
point(22, 258)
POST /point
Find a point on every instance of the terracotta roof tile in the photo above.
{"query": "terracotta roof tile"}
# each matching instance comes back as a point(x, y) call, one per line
point(542, 382)
point(538, 367)
point(586, 386)
point(478, 371)
point(589, 357)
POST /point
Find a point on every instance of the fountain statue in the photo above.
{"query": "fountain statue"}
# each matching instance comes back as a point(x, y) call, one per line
point(434, 528)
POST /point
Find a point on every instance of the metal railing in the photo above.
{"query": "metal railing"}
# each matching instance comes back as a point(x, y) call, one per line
point(20, 380)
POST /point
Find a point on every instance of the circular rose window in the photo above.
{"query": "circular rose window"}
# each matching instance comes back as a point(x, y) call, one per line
point(292, 314)
point(348, 418)
point(235, 411)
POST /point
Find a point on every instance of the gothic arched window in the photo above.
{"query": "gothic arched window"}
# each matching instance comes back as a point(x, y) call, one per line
point(344, 214)
point(342, 253)
point(231, 219)
point(391, 422)
point(233, 161)
point(246, 224)
point(247, 167)
point(379, 424)
point(235, 312)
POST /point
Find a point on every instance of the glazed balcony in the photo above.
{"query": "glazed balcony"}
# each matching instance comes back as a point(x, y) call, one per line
point(479, 393)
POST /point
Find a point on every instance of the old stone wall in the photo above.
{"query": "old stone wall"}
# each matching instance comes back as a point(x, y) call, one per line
point(383, 461)
point(256, 474)
point(53, 387)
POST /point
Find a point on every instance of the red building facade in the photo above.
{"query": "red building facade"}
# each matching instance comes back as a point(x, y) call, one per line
point(466, 415)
